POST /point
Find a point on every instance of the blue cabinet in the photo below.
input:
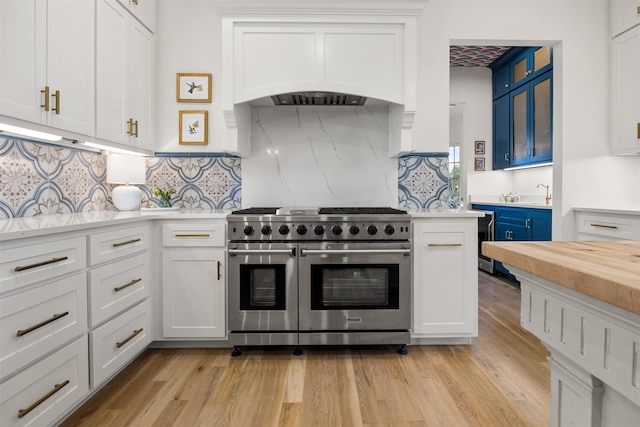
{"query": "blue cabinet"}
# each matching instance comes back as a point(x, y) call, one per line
point(518, 224)
point(522, 107)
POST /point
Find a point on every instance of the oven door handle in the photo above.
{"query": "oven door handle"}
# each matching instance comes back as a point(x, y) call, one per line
point(234, 252)
point(305, 252)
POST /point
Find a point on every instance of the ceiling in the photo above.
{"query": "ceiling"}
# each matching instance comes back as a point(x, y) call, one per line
point(474, 56)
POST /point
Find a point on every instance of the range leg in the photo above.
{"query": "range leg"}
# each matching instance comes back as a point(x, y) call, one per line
point(402, 349)
point(297, 351)
point(236, 351)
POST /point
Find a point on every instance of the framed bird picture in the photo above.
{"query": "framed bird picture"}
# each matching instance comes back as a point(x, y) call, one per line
point(194, 127)
point(193, 87)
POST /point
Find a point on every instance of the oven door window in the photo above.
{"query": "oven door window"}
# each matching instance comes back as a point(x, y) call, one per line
point(262, 287)
point(354, 286)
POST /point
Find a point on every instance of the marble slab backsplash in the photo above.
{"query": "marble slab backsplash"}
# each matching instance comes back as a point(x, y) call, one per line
point(332, 159)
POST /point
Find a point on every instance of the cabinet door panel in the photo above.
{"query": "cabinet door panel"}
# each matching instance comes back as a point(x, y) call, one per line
point(112, 65)
point(542, 119)
point(625, 93)
point(624, 15)
point(520, 119)
point(142, 84)
point(193, 294)
point(501, 132)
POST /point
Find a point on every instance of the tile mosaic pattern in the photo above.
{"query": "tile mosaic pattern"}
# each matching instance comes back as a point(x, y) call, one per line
point(39, 179)
point(423, 181)
point(474, 56)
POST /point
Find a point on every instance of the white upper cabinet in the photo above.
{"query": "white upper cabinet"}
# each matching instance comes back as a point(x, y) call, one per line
point(143, 10)
point(47, 63)
point(625, 14)
point(625, 92)
point(361, 59)
point(124, 77)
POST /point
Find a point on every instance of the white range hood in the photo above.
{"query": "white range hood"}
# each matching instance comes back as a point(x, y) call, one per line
point(345, 48)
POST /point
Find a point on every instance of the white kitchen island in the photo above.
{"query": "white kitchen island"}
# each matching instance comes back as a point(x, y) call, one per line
point(582, 299)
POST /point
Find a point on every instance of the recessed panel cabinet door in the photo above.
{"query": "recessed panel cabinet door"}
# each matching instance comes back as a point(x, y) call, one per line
point(142, 84)
point(625, 92)
point(193, 293)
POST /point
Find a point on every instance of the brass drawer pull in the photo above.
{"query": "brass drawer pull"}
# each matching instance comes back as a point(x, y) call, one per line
point(605, 226)
point(129, 338)
point(56, 388)
point(192, 235)
point(219, 274)
point(57, 96)
point(136, 125)
point(444, 244)
point(131, 283)
point(41, 324)
point(40, 264)
point(115, 245)
point(46, 98)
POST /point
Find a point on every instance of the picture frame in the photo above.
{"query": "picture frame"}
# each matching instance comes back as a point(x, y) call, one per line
point(479, 164)
point(479, 146)
point(193, 87)
point(193, 128)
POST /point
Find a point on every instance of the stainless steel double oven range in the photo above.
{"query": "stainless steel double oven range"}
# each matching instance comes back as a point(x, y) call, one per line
point(319, 276)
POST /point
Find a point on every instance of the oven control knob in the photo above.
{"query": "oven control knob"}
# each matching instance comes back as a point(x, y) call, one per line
point(302, 229)
point(372, 229)
point(284, 229)
point(266, 230)
point(389, 230)
point(318, 230)
point(248, 230)
point(336, 230)
point(354, 229)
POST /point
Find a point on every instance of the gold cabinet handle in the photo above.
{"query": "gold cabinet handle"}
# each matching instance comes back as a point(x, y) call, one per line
point(57, 96)
point(56, 388)
point(638, 124)
point(115, 245)
point(129, 338)
point(605, 226)
point(46, 98)
point(219, 273)
point(40, 264)
point(444, 244)
point(55, 317)
point(638, 9)
point(130, 123)
point(135, 2)
point(193, 235)
point(136, 125)
point(125, 286)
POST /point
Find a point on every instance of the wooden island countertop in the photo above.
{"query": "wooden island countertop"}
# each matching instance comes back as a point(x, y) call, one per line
point(605, 270)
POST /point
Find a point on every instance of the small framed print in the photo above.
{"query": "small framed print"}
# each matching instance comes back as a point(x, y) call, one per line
point(193, 87)
point(194, 127)
point(479, 164)
point(479, 147)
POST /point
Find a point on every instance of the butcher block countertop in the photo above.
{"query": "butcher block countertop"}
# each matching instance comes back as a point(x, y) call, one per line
point(605, 270)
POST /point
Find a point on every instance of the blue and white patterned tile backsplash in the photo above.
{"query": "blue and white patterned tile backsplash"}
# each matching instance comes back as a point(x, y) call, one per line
point(423, 181)
point(38, 179)
point(42, 179)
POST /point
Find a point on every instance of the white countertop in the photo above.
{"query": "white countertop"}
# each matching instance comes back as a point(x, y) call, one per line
point(526, 201)
point(630, 211)
point(17, 228)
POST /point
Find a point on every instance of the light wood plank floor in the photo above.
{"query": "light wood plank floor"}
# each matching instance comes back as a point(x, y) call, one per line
point(502, 379)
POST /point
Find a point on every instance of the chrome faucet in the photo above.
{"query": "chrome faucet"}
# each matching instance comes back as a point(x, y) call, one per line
point(548, 196)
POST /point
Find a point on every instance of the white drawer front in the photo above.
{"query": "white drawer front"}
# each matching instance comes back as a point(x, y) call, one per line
point(115, 244)
point(118, 341)
point(612, 226)
point(212, 235)
point(62, 377)
point(117, 286)
point(21, 266)
point(57, 311)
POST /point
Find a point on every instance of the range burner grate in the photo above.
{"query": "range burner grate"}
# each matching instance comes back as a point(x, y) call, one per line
point(255, 211)
point(361, 211)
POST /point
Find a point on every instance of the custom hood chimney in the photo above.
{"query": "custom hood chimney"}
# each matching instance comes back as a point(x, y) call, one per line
point(344, 54)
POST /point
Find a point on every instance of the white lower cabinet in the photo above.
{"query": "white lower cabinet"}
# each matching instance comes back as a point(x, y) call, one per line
point(607, 225)
point(46, 390)
point(118, 341)
point(37, 321)
point(193, 281)
point(445, 278)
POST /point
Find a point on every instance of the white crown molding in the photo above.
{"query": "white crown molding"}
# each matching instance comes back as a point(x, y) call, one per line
point(372, 7)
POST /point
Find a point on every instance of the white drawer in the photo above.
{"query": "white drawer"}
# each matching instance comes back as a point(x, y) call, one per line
point(114, 244)
point(117, 286)
point(31, 263)
point(57, 311)
point(624, 227)
point(118, 341)
point(62, 377)
point(211, 235)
